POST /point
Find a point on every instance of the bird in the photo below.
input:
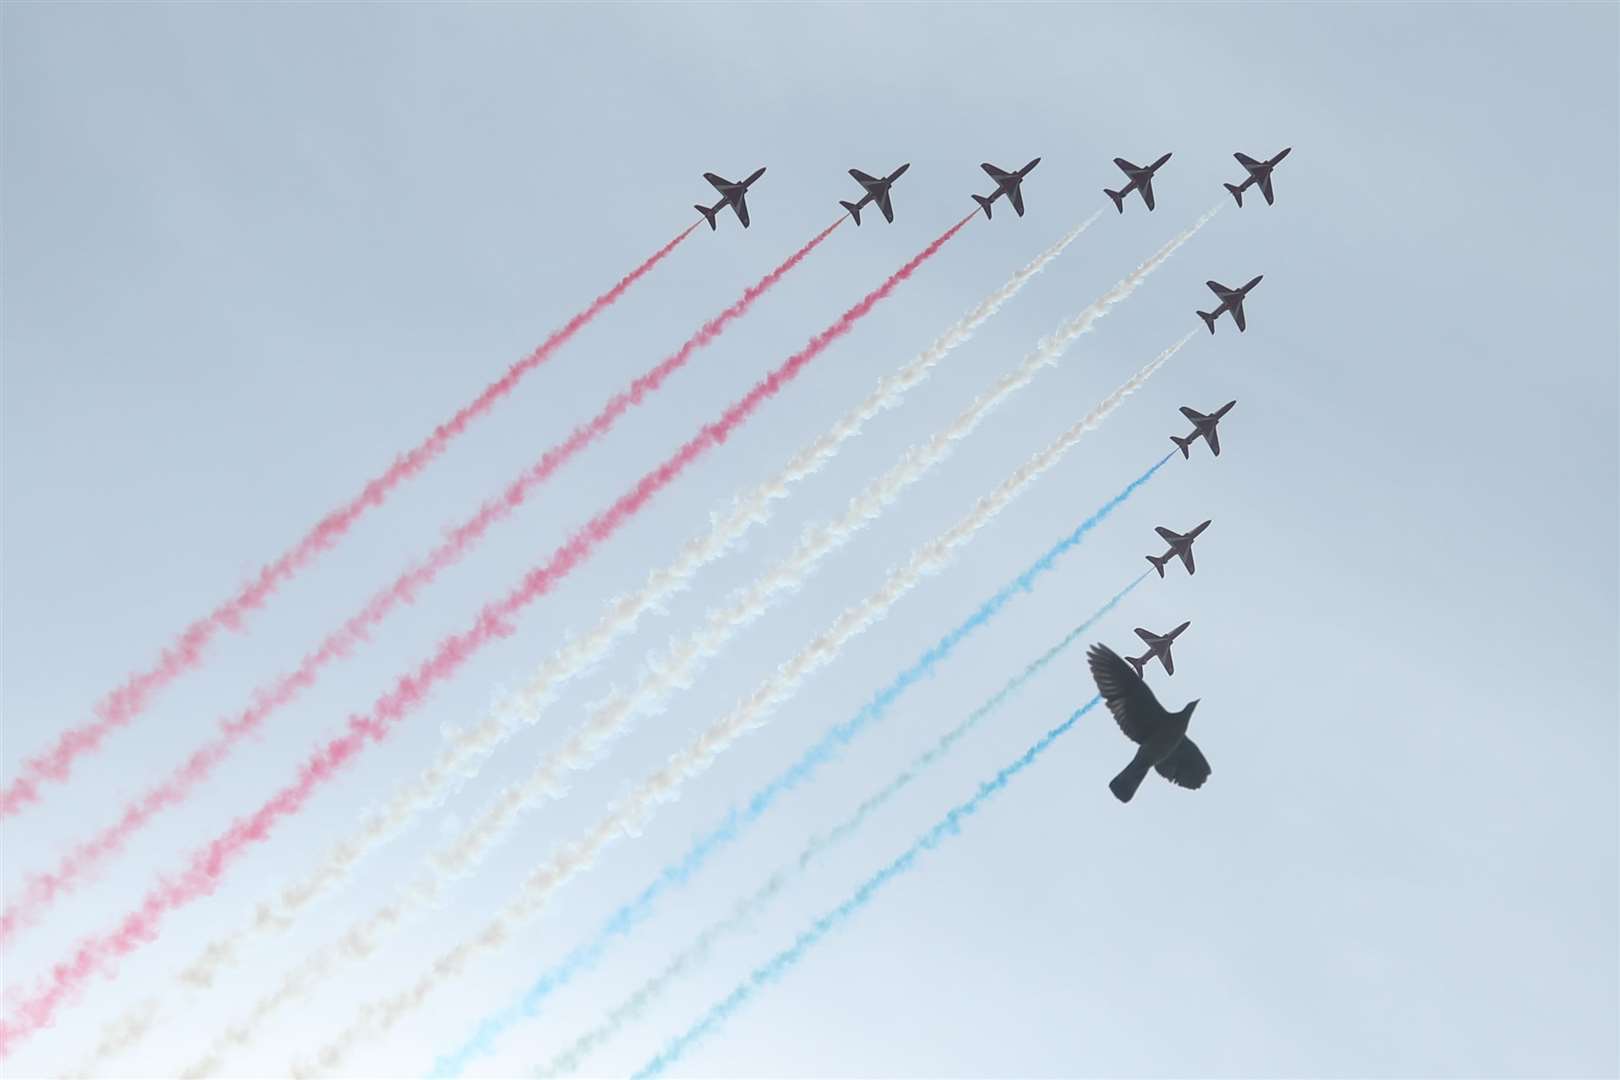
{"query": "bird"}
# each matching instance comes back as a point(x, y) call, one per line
point(1160, 735)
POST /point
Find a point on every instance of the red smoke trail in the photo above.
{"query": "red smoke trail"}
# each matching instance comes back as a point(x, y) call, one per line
point(126, 702)
point(209, 864)
point(79, 864)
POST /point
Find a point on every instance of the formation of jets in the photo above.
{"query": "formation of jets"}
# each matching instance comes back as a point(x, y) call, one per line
point(1139, 179)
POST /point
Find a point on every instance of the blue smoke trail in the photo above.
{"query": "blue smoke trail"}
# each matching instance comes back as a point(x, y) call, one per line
point(744, 911)
point(782, 962)
point(626, 917)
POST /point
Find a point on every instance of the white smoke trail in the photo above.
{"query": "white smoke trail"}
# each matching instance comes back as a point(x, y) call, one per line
point(466, 750)
point(612, 719)
point(630, 815)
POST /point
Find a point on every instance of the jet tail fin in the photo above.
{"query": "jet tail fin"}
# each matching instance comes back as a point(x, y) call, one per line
point(1185, 444)
point(984, 202)
point(1119, 199)
point(1209, 320)
point(853, 208)
point(708, 214)
point(1136, 663)
point(1237, 192)
point(1158, 563)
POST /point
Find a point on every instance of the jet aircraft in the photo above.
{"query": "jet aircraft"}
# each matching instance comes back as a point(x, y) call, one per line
point(1203, 426)
point(1141, 180)
point(1179, 545)
point(876, 191)
point(1008, 184)
point(1231, 300)
point(1259, 173)
point(1159, 734)
point(1158, 645)
point(732, 195)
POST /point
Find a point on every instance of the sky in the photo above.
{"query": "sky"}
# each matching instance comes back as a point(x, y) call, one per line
point(253, 251)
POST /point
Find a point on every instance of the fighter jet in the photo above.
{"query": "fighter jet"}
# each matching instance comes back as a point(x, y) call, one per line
point(1202, 426)
point(1259, 173)
point(1179, 545)
point(1157, 646)
point(732, 195)
point(1007, 184)
point(876, 191)
point(1231, 300)
point(1141, 180)
point(1160, 735)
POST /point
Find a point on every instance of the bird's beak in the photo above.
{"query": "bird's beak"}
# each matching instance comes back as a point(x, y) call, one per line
point(1193, 704)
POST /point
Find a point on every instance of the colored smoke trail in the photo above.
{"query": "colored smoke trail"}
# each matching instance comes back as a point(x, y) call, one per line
point(209, 864)
point(630, 815)
point(784, 961)
point(126, 702)
point(746, 909)
point(468, 749)
point(86, 858)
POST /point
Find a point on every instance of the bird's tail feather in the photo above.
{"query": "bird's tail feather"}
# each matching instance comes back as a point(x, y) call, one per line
point(1131, 776)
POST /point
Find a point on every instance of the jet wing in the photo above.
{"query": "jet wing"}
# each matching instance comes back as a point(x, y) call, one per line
point(1221, 290)
point(867, 182)
point(1145, 186)
point(1168, 661)
point(995, 174)
point(1187, 559)
point(884, 205)
point(1193, 414)
point(739, 203)
point(1265, 188)
point(1127, 168)
point(721, 184)
point(1015, 195)
point(1237, 312)
point(1167, 535)
point(1247, 162)
point(1214, 439)
point(1146, 637)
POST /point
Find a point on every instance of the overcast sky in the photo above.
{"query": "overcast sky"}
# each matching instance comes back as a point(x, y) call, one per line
point(253, 251)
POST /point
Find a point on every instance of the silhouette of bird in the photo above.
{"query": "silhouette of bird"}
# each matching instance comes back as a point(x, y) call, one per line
point(1160, 735)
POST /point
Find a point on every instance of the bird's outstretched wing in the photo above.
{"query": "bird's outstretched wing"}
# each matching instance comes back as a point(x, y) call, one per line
point(1185, 766)
point(1129, 699)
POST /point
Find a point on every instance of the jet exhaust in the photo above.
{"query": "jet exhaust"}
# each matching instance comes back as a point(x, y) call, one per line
point(84, 860)
point(629, 815)
point(208, 865)
point(123, 704)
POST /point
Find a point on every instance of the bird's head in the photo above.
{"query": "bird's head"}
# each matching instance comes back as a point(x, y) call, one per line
point(1191, 705)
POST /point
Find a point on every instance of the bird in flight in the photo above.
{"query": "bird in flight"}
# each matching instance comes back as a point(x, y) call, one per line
point(1160, 735)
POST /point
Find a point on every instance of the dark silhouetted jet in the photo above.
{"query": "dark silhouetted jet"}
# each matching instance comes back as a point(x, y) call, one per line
point(1141, 180)
point(1231, 300)
point(1259, 173)
point(732, 195)
point(1160, 736)
point(1203, 426)
point(1179, 545)
point(876, 191)
point(1008, 184)
point(1157, 646)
